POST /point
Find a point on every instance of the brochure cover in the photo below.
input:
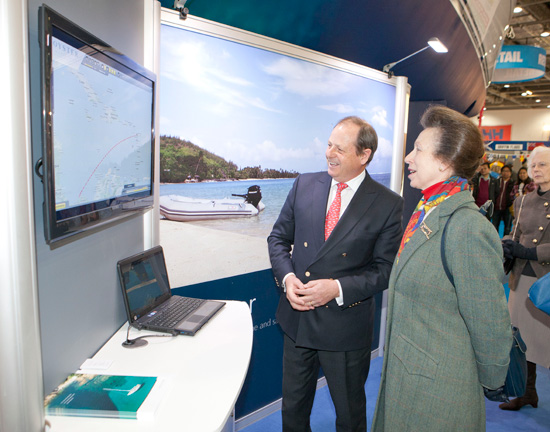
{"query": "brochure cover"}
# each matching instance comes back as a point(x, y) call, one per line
point(88, 395)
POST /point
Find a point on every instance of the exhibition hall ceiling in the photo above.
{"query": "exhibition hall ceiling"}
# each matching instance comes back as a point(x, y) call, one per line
point(525, 29)
point(371, 33)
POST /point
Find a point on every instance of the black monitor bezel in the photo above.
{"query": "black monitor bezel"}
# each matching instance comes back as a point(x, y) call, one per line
point(92, 215)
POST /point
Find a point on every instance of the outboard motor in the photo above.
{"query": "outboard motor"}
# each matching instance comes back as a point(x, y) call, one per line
point(253, 196)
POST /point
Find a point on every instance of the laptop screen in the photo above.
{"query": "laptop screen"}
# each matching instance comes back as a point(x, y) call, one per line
point(144, 282)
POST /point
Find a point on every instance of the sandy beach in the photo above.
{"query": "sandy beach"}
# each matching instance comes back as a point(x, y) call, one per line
point(196, 254)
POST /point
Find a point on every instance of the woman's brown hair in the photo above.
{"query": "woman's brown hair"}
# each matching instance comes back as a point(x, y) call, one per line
point(460, 141)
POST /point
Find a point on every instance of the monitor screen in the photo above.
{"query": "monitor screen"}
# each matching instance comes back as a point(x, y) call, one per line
point(98, 130)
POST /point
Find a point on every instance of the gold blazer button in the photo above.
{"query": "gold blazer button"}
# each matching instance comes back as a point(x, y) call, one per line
point(545, 204)
point(541, 228)
point(308, 274)
point(345, 254)
point(535, 241)
point(548, 216)
point(305, 244)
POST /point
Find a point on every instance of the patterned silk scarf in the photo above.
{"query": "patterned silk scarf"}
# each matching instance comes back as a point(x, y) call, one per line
point(433, 196)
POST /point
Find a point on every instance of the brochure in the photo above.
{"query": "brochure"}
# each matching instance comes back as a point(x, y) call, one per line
point(89, 395)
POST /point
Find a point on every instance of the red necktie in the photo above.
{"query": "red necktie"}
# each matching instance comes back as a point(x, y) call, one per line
point(334, 211)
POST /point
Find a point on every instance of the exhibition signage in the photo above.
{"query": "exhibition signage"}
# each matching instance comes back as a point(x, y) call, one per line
point(496, 133)
point(513, 146)
point(519, 63)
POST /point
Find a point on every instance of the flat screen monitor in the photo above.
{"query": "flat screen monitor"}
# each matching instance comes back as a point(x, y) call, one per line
point(97, 130)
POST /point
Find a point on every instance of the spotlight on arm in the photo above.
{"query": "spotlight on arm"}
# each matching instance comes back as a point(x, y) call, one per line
point(433, 43)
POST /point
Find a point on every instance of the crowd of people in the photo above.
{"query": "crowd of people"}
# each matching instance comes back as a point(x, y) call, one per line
point(500, 185)
point(339, 240)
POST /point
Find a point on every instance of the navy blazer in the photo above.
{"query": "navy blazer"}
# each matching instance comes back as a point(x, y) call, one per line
point(359, 253)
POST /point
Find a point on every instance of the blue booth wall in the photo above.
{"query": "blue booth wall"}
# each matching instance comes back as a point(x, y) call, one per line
point(263, 381)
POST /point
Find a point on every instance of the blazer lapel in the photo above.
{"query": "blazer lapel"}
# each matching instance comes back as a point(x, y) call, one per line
point(364, 197)
point(427, 229)
point(318, 209)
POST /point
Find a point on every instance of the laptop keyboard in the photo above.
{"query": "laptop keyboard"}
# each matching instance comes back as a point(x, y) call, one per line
point(178, 310)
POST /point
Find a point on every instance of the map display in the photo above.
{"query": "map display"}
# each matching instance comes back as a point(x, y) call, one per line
point(102, 133)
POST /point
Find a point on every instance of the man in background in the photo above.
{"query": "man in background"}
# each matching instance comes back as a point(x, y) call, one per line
point(332, 250)
point(504, 200)
point(485, 187)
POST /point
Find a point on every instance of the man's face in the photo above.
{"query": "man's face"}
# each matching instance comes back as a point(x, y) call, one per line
point(484, 170)
point(343, 161)
point(505, 173)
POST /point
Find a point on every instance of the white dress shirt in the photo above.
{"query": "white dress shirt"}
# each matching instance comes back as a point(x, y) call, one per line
point(346, 195)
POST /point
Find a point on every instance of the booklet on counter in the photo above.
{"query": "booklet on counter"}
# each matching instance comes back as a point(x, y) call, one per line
point(113, 396)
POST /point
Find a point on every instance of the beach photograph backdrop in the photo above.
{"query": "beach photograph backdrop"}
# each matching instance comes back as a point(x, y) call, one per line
point(261, 111)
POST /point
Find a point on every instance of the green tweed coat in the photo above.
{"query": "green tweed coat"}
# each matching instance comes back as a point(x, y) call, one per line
point(444, 342)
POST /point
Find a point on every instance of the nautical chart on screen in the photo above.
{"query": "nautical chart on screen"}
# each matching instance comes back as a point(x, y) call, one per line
point(101, 108)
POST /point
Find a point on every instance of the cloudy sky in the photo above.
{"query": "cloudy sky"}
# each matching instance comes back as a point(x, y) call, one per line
point(256, 107)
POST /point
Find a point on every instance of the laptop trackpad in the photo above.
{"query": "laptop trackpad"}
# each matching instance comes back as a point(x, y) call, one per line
point(195, 318)
point(198, 316)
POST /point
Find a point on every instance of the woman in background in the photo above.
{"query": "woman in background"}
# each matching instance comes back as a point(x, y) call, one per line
point(523, 185)
point(530, 245)
point(444, 341)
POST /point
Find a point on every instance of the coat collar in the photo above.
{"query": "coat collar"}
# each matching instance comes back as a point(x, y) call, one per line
point(431, 225)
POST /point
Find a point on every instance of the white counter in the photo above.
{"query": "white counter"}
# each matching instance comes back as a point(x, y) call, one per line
point(203, 375)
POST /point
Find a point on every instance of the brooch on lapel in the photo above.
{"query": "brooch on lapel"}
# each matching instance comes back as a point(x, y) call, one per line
point(425, 230)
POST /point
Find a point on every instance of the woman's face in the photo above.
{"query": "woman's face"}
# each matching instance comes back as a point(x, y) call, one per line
point(540, 170)
point(522, 174)
point(425, 169)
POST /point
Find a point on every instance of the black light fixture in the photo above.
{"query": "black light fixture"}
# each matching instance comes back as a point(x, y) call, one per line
point(433, 43)
point(179, 5)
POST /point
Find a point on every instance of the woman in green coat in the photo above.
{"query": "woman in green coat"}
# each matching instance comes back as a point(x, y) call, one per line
point(444, 342)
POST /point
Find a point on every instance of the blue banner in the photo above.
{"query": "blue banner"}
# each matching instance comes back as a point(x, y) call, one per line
point(519, 63)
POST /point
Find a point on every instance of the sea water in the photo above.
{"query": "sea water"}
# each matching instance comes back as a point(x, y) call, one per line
point(274, 193)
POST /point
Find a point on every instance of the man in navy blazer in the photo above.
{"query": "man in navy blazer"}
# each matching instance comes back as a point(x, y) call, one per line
point(326, 309)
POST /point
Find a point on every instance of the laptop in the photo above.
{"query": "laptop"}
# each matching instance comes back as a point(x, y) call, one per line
point(149, 302)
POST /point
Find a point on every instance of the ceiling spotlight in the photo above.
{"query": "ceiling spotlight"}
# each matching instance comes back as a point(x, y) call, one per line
point(545, 33)
point(518, 9)
point(537, 101)
point(506, 85)
point(437, 45)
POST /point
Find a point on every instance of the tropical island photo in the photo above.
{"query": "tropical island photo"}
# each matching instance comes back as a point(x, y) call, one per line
point(182, 161)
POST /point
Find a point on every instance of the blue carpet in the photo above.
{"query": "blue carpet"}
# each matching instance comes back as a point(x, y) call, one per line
point(528, 419)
